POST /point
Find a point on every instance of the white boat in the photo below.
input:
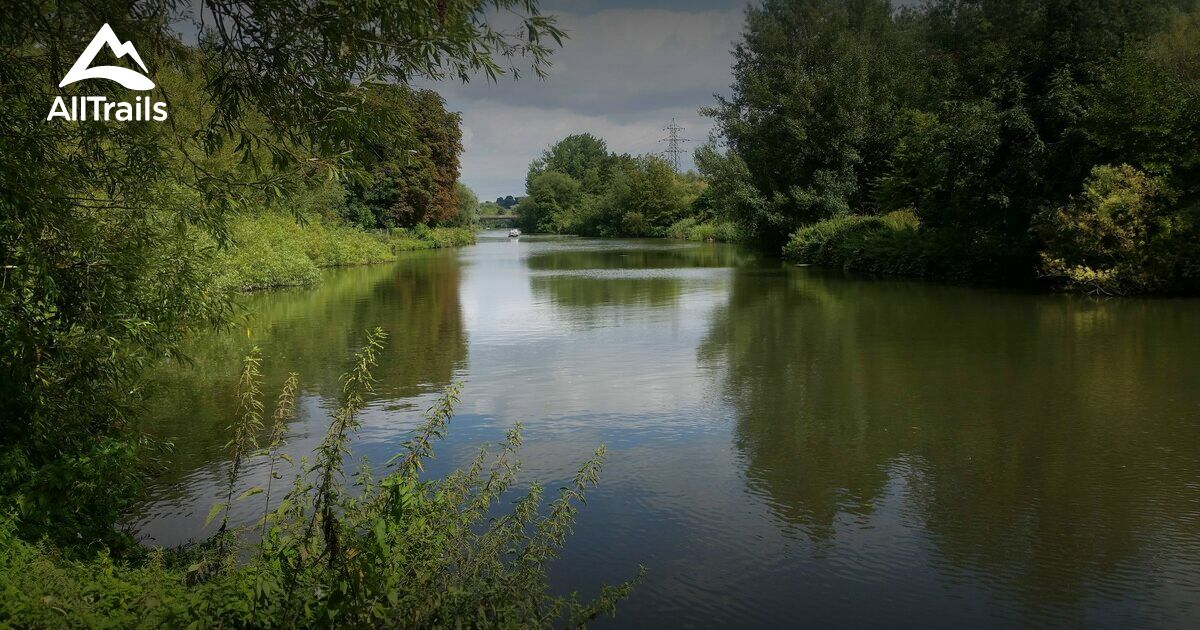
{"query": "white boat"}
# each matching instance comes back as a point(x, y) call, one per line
point(514, 233)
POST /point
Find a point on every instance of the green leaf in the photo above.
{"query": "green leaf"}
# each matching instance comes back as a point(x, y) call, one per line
point(249, 493)
point(213, 512)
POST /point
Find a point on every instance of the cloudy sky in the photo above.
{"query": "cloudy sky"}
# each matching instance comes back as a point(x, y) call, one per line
point(627, 68)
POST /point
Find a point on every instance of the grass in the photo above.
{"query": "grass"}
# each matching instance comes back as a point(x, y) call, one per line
point(720, 231)
point(274, 250)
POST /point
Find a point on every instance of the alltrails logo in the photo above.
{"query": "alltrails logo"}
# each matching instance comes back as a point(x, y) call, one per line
point(99, 107)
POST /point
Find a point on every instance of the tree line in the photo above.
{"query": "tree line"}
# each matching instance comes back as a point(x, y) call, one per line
point(1054, 141)
point(578, 187)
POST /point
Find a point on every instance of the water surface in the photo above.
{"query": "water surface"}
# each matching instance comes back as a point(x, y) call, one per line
point(787, 446)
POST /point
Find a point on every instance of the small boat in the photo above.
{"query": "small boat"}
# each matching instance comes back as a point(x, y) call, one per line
point(514, 233)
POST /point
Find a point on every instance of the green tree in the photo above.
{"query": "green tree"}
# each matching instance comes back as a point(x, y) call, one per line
point(550, 197)
point(647, 198)
point(581, 156)
point(415, 163)
point(468, 206)
point(817, 84)
point(973, 116)
point(102, 274)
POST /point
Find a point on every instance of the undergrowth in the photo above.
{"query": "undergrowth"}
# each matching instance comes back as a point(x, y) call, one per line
point(274, 250)
point(338, 549)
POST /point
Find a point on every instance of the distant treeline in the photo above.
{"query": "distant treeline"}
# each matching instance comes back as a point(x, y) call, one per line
point(578, 187)
point(982, 139)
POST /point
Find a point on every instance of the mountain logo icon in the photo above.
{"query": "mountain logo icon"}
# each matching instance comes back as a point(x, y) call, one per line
point(124, 76)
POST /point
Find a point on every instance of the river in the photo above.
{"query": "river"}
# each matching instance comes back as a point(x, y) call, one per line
point(786, 446)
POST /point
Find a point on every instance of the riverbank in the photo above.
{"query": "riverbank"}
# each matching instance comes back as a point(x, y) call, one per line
point(690, 229)
point(274, 250)
point(890, 244)
point(766, 373)
point(896, 244)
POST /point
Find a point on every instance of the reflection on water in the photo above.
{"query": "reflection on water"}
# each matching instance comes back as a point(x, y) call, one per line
point(1043, 446)
point(311, 332)
point(787, 446)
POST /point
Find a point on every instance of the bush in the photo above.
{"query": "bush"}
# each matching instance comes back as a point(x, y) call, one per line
point(266, 251)
point(1119, 237)
point(892, 244)
point(336, 245)
point(832, 240)
point(689, 229)
point(423, 237)
point(395, 550)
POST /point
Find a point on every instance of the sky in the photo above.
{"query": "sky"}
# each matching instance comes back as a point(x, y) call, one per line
point(626, 69)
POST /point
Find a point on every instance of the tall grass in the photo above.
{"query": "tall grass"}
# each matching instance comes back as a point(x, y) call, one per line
point(274, 250)
point(718, 230)
point(338, 550)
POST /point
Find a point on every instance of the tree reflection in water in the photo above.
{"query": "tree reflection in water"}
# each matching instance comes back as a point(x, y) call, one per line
point(1036, 439)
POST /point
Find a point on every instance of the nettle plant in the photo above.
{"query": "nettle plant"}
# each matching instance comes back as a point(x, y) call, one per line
point(393, 549)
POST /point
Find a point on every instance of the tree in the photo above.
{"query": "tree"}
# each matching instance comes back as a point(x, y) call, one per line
point(973, 116)
point(647, 198)
point(415, 163)
point(468, 206)
point(550, 197)
point(103, 272)
point(816, 88)
point(581, 156)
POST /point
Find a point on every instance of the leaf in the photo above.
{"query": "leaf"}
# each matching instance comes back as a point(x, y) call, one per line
point(249, 493)
point(213, 512)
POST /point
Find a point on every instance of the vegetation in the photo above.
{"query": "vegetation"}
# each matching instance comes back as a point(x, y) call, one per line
point(390, 550)
point(507, 202)
point(274, 250)
point(466, 212)
point(1060, 140)
point(119, 240)
point(690, 229)
point(578, 187)
point(413, 178)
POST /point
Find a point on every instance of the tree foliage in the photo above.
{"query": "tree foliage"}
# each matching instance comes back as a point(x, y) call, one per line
point(582, 156)
point(102, 274)
point(415, 166)
point(977, 115)
point(577, 187)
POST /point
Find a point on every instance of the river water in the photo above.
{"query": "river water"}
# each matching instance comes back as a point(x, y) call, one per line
point(787, 446)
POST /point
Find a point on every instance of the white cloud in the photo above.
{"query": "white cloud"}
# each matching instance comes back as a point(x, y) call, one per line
point(622, 75)
point(501, 139)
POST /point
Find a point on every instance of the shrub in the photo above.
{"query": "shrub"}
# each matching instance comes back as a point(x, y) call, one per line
point(828, 241)
point(397, 550)
point(1119, 237)
point(892, 244)
point(423, 237)
point(266, 251)
point(336, 245)
point(689, 229)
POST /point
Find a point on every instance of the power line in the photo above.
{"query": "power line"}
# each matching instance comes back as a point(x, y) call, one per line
point(673, 141)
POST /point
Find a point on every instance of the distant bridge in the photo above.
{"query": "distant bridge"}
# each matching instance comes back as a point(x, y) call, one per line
point(498, 221)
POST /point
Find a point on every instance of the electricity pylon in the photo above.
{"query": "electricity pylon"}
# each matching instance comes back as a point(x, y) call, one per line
point(673, 143)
